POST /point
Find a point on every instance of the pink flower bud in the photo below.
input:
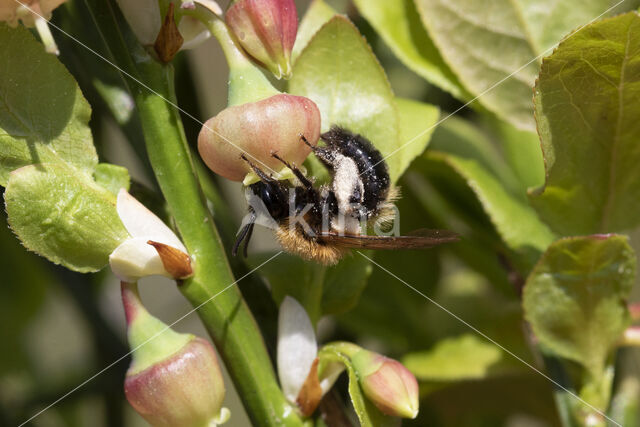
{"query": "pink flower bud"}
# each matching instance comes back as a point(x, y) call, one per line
point(267, 30)
point(185, 389)
point(387, 383)
point(174, 379)
point(259, 128)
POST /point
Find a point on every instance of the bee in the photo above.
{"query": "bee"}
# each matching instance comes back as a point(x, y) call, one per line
point(324, 223)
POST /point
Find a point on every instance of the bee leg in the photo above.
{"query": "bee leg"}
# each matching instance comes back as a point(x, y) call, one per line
point(245, 234)
point(325, 155)
point(261, 174)
point(303, 179)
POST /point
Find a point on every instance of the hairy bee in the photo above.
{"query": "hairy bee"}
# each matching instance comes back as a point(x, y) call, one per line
point(322, 224)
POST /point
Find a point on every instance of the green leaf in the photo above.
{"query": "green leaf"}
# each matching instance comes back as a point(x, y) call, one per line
point(368, 414)
point(318, 14)
point(523, 153)
point(575, 298)
point(320, 290)
point(465, 357)
point(22, 291)
point(303, 281)
point(398, 23)
point(344, 283)
point(587, 103)
point(43, 115)
point(485, 41)
point(61, 214)
point(339, 72)
point(112, 177)
point(470, 156)
point(417, 122)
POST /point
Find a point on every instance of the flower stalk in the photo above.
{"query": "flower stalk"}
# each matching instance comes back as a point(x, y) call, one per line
point(211, 288)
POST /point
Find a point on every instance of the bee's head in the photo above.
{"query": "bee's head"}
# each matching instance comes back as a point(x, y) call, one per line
point(274, 197)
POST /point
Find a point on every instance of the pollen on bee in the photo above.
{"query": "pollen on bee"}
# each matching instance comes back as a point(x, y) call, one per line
point(294, 242)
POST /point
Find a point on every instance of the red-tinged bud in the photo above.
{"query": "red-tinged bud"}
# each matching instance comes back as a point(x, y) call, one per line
point(267, 30)
point(174, 379)
point(387, 383)
point(258, 129)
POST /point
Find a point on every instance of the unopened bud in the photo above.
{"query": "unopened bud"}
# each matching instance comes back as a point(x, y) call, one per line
point(267, 30)
point(174, 379)
point(258, 129)
point(387, 383)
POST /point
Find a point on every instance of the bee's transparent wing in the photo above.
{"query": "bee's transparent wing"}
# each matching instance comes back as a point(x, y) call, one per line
point(418, 239)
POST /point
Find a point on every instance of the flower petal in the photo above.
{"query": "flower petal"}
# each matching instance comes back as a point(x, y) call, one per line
point(297, 347)
point(141, 222)
point(134, 259)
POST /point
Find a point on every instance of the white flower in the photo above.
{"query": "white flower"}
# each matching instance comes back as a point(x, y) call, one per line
point(297, 351)
point(136, 257)
point(145, 20)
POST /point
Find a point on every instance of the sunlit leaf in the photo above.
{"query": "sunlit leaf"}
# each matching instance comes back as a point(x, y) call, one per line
point(43, 115)
point(587, 102)
point(399, 25)
point(460, 358)
point(575, 298)
point(351, 90)
point(492, 45)
point(63, 215)
point(318, 14)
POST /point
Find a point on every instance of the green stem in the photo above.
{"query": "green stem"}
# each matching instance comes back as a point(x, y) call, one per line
point(211, 290)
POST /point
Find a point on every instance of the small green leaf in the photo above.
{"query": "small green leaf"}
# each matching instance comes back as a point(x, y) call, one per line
point(587, 103)
point(485, 41)
point(112, 177)
point(318, 14)
point(417, 122)
point(575, 297)
point(454, 359)
point(61, 214)
point(43, 115)
point(339, 72)
point(398, 23)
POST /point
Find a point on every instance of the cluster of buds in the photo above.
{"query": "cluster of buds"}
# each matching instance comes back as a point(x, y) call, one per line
point(174, 379)
point(32, 13)
point(259, 120)
point(384, 381)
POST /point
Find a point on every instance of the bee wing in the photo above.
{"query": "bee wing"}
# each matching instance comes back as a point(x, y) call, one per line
point(418, 239)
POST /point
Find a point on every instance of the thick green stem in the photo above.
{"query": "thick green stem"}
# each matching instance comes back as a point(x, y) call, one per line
point(211, 290)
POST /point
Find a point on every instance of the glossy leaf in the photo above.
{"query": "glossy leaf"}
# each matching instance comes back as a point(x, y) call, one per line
point(351, 90)
point(417, 122)
point(587, 103)
point(318, 14)
point(485, 42)
point(63, 215)
point(465, 357)
point(575, 298)
point(43, 115)
point(399, 25)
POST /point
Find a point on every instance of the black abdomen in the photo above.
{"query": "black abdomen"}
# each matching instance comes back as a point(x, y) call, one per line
point(371, 165)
